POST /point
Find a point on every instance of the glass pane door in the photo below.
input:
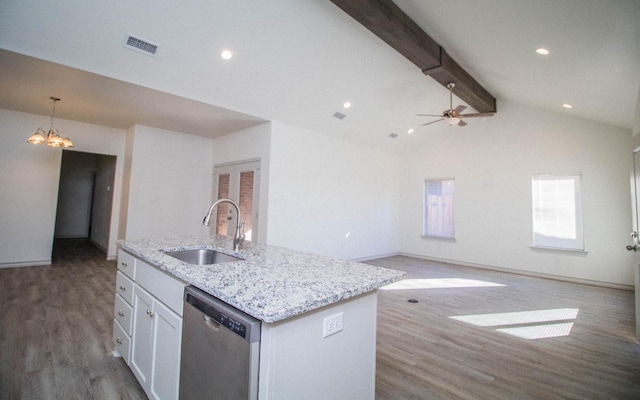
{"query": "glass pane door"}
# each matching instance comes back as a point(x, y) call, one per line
point(246, 202)
point(240, 183)
point(222, 212)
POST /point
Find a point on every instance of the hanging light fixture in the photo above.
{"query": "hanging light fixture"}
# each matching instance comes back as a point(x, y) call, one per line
point(51, 138)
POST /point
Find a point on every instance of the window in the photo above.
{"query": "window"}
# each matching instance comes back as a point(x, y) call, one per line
point(557, 211)
point(438, 208)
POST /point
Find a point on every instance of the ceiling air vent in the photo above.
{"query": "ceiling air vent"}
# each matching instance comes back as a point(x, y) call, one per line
point(339, 115)
point(141, 45)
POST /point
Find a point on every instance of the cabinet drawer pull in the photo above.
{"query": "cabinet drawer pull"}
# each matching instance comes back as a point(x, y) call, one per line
point(123, 288)
point(124, 264)
point(119, 341)
point(150, 313)
point(120, 313)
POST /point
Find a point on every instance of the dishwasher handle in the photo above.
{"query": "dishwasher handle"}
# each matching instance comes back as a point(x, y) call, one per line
point(211, 323)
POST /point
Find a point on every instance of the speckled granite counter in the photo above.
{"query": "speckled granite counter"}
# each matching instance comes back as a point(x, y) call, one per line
point(272, 283)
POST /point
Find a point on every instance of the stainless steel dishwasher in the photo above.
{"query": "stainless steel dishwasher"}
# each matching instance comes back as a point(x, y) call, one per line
point(220, 350)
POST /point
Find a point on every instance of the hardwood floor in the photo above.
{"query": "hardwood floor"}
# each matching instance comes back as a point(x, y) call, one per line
point(56, 323)
point(55, 329)
point(425, 354)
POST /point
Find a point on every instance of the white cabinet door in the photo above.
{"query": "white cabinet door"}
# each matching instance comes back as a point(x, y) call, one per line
point(166, 353)
point(142, 346)
point(157, 335)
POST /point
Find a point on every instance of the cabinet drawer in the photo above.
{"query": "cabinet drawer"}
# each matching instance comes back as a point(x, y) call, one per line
point(163, 286)
point(127, 264)
point(124, 287)
point(123, 313)
point(121, 341)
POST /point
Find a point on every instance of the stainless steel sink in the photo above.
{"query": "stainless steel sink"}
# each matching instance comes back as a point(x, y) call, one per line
point(202, 256)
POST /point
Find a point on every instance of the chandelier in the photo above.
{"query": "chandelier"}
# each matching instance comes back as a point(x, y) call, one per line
point(51, 138)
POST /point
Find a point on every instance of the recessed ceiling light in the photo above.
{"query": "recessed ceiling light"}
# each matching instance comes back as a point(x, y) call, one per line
point(542, 51)
point(346, 104)
point(226, 54)
point(410, 131)
point(565, 105)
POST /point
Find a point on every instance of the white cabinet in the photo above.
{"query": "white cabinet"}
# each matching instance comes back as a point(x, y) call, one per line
point(167, 340)
point(153, 320)
point(123, 309)
point(155, 358)
point(142, 358)
point(127, 264)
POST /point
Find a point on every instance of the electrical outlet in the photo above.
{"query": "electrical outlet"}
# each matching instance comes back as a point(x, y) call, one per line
point(332, 324)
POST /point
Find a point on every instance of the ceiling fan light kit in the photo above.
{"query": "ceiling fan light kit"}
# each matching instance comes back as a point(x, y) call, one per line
point(453, 116)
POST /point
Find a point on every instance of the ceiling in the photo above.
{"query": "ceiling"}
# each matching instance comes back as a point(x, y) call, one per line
point(99, 100)
point(297, 62)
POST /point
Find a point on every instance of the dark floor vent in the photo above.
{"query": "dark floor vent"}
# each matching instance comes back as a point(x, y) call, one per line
point(339, 115)
point(141, 45)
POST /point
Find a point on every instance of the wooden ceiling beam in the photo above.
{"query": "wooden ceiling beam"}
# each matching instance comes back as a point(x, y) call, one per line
point(387, 21)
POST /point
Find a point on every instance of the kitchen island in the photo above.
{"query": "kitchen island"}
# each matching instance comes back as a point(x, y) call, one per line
point(293, 293)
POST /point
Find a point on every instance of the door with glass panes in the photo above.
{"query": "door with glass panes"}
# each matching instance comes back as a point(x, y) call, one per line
point(238, 182)
point(635, 240)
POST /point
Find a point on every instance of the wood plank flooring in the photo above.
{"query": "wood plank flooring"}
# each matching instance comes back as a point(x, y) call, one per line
point(56, 324)
point(55, 329)
point(424, 354)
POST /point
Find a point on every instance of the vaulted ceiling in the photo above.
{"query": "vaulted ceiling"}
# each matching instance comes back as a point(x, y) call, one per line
point(298, 61)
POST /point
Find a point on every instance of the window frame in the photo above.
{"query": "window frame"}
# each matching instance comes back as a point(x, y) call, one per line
point(556, 242)
point(426, 231)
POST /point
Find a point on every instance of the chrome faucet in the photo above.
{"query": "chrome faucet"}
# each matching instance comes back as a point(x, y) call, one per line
point(238, 238)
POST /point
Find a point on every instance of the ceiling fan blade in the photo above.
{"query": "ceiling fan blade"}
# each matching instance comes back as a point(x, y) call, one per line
point(462, 123)
point(489, 114)
point(429, 115)
point(433, 122)
point(459, 109)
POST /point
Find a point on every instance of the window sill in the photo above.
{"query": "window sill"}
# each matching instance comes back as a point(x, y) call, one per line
point(560, 250)
point(443, 238)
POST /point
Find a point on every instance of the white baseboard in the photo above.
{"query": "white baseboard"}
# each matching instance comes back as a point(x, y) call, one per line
point(25, 264)
point(361, 259)
point(522, 272)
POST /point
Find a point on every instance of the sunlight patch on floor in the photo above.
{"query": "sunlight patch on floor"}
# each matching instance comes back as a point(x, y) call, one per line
point(520, 323)
point(539, 331)
point(519, 317)
point(444, 283)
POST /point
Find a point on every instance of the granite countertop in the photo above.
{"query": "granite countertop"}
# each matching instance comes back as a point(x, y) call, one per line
point(271, 283)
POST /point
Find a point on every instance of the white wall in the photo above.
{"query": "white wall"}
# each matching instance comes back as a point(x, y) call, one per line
point(170, 183)
point(248, 144)
point(29, 180)
point(492, 162)
point(331, 197)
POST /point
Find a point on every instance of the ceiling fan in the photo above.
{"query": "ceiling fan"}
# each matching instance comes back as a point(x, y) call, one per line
point(452, 115)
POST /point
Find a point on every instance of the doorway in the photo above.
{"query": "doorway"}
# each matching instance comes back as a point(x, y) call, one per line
point(239, 182)
point(634, 235)
point(85, 198)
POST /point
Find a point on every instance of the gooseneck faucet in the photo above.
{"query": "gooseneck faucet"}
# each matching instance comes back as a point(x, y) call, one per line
point(238, 238)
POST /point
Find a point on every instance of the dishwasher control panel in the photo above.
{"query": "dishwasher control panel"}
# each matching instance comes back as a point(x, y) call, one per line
point(237, 327)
